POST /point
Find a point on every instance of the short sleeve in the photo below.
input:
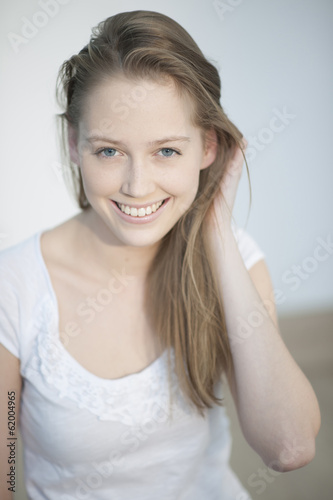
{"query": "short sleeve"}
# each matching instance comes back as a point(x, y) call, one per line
point(21, 288)
point(248, 248)
point(9, 312)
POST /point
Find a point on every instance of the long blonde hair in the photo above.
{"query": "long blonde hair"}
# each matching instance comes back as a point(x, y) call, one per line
point(182, 300)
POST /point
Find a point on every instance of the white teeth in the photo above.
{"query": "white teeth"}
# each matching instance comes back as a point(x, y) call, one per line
point(141, 212)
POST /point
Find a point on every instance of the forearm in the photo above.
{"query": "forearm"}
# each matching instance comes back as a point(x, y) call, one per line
point(276, 404)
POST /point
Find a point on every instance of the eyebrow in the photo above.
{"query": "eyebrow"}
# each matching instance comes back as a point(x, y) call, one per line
point(95, 138)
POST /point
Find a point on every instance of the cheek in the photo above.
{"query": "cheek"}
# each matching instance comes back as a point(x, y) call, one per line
point(183, 186)
point(188, 179)
point(99, 181)
point(180, 182)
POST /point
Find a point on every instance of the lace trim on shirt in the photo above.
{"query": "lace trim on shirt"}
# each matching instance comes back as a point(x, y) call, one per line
point(129, 400)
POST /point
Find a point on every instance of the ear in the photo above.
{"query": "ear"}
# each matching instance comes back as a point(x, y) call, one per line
point(73, 144)
point(210, 148)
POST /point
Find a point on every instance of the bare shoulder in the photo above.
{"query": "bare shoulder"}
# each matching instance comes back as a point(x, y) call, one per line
point(71, 270)
point(55, 242)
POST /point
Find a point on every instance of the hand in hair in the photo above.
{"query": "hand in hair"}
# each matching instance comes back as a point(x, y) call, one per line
point(219, 215)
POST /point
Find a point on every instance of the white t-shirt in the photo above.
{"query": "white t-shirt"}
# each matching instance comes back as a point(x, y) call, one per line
point(85, 437)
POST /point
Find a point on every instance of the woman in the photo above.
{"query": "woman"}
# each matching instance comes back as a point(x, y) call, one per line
point(118, 325)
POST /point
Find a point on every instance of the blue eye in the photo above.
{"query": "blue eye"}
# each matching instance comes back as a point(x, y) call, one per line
point(168, 152)
point(109, 152)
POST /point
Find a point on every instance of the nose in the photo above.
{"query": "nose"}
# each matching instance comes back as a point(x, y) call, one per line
point(139, 180)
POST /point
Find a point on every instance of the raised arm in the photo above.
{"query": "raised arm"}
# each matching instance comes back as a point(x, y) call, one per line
point(277, 407)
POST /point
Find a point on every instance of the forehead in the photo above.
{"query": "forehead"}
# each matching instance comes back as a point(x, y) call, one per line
point(142, 107)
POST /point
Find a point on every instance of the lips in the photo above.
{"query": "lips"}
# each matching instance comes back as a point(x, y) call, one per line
point(141, 219)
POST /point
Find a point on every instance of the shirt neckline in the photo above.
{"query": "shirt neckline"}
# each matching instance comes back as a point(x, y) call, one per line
point(144, 373)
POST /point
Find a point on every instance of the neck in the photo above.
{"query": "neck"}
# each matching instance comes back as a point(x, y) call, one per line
point(100, 247)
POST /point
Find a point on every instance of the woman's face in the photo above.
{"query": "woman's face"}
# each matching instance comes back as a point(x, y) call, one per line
point(136, 145)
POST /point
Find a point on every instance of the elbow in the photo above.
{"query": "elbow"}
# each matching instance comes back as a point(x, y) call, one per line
point(294, 450)
point(292, 455)
point(287, 448)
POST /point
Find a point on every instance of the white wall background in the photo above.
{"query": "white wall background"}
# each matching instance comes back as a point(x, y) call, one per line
point(272, 55)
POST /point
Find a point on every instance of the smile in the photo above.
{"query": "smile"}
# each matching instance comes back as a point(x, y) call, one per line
point(140, 215)
point(140, 212)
